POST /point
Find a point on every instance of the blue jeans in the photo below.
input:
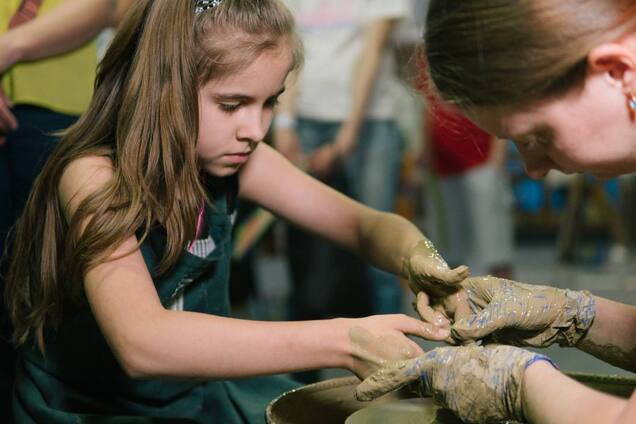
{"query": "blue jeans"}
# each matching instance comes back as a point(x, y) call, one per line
point(372, 175)
point(21, 160)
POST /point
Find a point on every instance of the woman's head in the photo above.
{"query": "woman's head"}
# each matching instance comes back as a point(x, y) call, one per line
point(145, 116)
point(555, 76)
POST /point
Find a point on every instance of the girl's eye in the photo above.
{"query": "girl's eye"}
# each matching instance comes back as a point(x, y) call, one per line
point(229, 107)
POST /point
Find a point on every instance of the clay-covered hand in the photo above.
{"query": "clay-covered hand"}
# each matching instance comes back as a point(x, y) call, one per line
point(427, 271)
point(506, 311)
point(479, 384)
point(381, 339)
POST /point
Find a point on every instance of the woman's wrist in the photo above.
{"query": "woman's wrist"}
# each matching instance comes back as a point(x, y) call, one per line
point(535, 376)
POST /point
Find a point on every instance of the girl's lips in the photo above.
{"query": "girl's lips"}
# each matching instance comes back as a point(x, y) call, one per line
point(238, 157)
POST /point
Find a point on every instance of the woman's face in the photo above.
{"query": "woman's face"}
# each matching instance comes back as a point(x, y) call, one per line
point(235, 112)
point(590, 129)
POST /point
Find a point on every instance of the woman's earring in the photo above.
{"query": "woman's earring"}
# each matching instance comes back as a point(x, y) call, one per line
point(631, 100)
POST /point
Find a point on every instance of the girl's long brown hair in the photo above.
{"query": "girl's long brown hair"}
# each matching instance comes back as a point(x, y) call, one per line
point(144, 118)
point(517, 52)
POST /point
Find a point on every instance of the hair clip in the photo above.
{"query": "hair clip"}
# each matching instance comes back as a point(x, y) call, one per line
point(203, 5)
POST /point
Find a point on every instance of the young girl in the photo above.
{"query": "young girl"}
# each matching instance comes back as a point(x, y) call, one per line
point(559, 78)
point(118, 287)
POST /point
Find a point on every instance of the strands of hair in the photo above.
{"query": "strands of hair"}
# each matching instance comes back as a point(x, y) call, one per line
point(143, 119)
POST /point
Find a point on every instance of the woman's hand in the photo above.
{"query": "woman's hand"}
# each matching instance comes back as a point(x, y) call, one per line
point(380, 339)
point(479, 384)
point(509, 312)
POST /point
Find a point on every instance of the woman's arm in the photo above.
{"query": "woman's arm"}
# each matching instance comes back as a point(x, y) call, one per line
point(151, 341)
point(64, 28)
point(612, 336)
point(551, 397)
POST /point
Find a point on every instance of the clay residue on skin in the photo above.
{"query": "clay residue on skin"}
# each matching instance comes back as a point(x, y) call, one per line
point(372, 353)
point(609, 353)
point(510, 312)
point(427, 270)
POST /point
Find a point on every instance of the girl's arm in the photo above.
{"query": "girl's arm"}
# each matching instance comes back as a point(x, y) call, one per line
point(150, 341)
point(551, 397)
point(384, 239)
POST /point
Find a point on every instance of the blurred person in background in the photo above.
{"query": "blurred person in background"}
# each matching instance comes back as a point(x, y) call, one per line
point(469, 201)
point(337, 122)
point(48, 59)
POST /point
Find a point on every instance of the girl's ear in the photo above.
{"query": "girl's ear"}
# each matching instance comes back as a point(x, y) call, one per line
point(616, 60)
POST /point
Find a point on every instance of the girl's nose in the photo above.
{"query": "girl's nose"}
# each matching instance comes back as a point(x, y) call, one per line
point(254, 127)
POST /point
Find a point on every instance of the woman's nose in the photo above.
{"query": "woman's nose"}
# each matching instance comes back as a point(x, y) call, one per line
point(537, 167)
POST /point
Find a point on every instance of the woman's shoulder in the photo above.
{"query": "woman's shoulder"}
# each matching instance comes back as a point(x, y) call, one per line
point(81, 178)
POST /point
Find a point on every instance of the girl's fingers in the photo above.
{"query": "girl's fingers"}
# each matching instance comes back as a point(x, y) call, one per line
point(424, 330)
point(428, 314)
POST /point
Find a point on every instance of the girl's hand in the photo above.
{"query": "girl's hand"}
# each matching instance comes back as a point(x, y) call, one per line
point(427, 271)
point(380, 339)
point(479, 384)
point(506, 311)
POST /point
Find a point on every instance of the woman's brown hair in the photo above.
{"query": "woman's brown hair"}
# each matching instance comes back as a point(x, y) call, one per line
point(144, 118)
point(514, 53)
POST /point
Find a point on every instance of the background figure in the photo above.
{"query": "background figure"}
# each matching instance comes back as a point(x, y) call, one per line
point(469, 212)
point(337, 122)
point(39, 97)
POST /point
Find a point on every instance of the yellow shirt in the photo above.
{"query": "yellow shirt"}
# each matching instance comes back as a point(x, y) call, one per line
point(62, 83)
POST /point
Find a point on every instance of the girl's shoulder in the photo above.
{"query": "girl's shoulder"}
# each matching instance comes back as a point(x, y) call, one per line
point(81, 178)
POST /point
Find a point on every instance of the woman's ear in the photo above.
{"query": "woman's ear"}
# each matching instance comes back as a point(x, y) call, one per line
point(616, 60)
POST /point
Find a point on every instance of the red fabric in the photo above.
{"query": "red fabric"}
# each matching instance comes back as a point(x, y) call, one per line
point(27, 10)
point(456, 143)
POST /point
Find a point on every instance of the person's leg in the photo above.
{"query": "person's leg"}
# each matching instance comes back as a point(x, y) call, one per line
point(7, 355)
point(30, 146)
point(307, 254)
point(492, 224)
point(455, 243)
point(21, 160)
point(373, 172)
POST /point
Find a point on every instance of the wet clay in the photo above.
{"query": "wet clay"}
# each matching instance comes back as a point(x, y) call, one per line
point(426, 270)
point(479, 384)
point(372, 353)
point(506, 311)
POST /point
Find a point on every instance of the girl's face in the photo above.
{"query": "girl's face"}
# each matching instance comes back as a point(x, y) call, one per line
point(590, 129)
point(235, 112)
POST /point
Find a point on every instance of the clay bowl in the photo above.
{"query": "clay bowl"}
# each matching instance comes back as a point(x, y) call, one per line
point(333, 401)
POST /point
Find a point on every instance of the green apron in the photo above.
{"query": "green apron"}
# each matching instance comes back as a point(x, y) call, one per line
point(80, 381)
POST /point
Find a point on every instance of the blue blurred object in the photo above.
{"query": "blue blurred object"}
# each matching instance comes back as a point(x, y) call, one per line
point(558, 198)
point(530, 195)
